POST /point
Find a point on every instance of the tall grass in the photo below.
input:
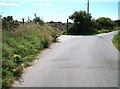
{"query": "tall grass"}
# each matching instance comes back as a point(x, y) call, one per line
point(116, 40)
point(21, 47)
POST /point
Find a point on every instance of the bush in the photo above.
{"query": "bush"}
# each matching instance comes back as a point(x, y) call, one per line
point(82, 23)
point(106, 23)
point(38, 20)
point(9, 24)
point(117, 22)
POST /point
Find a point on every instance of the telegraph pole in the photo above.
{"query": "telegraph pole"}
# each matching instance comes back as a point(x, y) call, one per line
point(88, 6)
point(88, 14)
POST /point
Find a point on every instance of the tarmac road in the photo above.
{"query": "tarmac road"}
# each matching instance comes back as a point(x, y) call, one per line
point(76, 61)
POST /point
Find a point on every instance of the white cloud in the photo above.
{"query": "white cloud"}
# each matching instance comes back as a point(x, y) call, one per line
point(8, 4)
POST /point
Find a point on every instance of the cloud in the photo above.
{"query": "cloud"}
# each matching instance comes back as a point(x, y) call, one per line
point(8, 4)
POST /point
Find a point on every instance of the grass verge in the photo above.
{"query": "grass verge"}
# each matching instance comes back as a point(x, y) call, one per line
point(20, 47)
point(116, 40)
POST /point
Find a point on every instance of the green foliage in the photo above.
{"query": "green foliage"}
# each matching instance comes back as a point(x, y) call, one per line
point(82, 23)
point(104, 31)
point(106, 23)
point(45, 43)
point(9, 24)
point(21, 47)
point(117, 22)
point(38, 20)
point(17, 58)
point(85, 25)
point(116, 40)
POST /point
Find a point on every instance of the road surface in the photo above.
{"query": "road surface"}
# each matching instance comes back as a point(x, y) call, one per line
point(76, 61)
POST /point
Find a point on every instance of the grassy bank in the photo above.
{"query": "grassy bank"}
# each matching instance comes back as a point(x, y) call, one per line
point(20, 48)
point(116, 40)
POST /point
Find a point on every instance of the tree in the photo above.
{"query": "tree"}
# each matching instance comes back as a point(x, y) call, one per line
point(117, 22)
point(95, 25)
point(106, 23)
point(82, 23)
point(38, 20)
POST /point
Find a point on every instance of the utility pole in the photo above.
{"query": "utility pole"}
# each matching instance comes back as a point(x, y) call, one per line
point(88, 13)
point(88, 6)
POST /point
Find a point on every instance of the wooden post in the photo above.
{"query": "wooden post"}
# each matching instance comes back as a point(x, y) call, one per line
point(67, 25)
point(23, 21)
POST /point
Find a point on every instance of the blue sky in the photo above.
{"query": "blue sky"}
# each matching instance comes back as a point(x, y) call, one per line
point(55, 10)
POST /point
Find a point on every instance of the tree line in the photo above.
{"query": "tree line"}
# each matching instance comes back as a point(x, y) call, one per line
point(84, 24)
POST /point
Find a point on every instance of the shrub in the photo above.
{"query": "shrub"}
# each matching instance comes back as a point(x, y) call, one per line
point(9, 24)
point(82, 23)
point(38, 20)
point(106, 23)
point(117, 22)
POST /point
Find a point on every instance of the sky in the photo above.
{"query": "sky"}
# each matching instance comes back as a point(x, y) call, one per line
point(57, 10)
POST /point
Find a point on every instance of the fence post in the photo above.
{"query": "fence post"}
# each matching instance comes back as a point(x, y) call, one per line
point(67, 25)
point(23, 21)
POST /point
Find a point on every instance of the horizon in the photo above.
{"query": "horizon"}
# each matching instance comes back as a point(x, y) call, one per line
point(57, 11)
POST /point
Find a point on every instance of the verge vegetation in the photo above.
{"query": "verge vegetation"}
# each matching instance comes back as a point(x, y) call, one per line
point(116, 40)
point(84, 24)
point(21, 46)
point(21, 42)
